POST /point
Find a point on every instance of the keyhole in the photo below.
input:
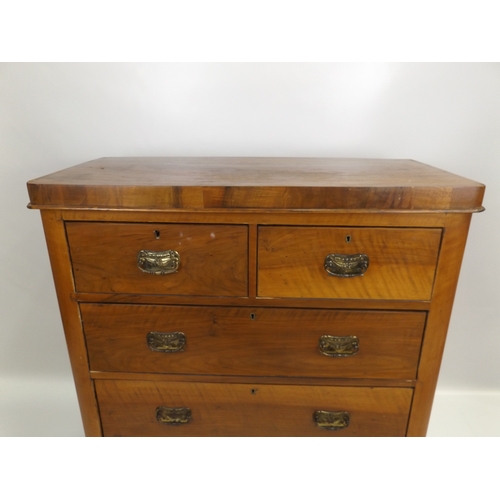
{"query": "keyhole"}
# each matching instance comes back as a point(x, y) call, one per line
point(348, 238)
point(252, 316)
point(157, 234)
point(253, 391)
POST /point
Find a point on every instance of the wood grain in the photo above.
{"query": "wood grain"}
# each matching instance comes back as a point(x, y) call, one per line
point(369, 304)
point(238, 379)
point(213, 258)
point(251, 294)
point(289, 183)
point(448, 270)
point(128, 408)
point(263, 217)
point(60, 262)
point(402, 262)
point(253, 342)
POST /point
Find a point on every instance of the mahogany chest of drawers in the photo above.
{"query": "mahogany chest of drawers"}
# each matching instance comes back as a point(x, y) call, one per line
point(255, 296)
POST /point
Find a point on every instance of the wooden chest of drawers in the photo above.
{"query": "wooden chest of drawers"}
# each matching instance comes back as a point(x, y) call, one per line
point(255, 296)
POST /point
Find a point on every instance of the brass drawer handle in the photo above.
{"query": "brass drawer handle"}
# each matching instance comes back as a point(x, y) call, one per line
point(166, 342)
point(346, 266)
point(338, 347)
point(331, 420)
point(165, 262)
point(173, 416)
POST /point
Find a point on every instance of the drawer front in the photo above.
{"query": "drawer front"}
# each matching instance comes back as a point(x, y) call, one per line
point(211, 260)
point(373, 263)
point(139, 408)
point(258, 342)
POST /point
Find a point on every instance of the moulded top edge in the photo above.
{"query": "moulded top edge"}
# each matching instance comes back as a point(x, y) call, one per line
point(268, 183)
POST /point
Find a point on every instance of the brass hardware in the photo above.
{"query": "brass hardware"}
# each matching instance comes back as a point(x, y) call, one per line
point(331, 420)
point(166, 342)
point(173, 416)
point(346, 266)
point(165, 262)
point(329, 345)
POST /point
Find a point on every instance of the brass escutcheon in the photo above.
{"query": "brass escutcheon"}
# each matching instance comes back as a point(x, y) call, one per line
point(331, 420)
point(173, 416)
point(346, 266)
point(165, 262)
point(330, 345)
point(166, 342)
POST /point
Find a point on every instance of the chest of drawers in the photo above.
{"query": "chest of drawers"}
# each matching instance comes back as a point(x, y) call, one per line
point(255, 296)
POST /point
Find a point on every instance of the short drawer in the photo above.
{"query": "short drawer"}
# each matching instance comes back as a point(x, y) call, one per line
point(140, 408)
point(349, 263)
point(253, 342)
point(173, 259)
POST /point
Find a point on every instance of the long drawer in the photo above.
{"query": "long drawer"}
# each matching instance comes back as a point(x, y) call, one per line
point(173, 259)
point(139, 408)
point(257, 342)
point(347, 262)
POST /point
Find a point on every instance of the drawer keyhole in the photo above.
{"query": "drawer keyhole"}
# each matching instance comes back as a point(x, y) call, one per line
point(157, 234)
point(252, 316)
point(253, 391)
point(348, 238)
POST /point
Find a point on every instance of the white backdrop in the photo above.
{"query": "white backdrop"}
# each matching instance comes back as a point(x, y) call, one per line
point(56, 115)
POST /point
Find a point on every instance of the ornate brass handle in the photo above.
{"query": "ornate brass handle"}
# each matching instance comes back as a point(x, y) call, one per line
point(165, 262)
point(166, 342)
point(338, 347)
point(346, 266)
point(331, 420)
point(173, 416)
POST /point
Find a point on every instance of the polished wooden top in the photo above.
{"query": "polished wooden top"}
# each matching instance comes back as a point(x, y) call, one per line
point(256, 183)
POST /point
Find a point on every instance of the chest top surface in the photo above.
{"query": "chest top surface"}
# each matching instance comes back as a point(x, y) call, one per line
point(164, 183)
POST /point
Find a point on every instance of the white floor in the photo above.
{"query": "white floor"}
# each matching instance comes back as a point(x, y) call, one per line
point(49, 408)
point(456, 414)
point(39, 408)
